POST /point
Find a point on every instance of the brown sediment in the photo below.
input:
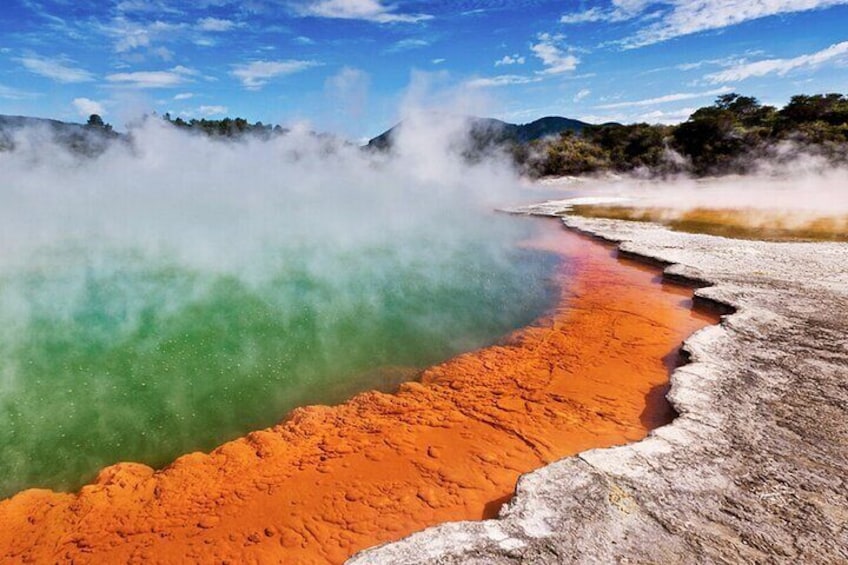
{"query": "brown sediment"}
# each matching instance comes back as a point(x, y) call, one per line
point(759, 224)
point(330, 481)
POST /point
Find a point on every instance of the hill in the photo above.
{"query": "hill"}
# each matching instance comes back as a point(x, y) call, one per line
point(489, 131)
point(88, 139)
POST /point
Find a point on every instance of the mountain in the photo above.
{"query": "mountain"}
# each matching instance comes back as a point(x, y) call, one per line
point(17, 122)
point(489, 131)
point(85, 139)
point(547, 126)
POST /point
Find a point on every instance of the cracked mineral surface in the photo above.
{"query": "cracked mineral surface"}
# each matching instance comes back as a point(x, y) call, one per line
point(754, 468)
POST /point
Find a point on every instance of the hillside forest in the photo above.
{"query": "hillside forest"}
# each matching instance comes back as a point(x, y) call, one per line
point(734, 135)
point(729, 137)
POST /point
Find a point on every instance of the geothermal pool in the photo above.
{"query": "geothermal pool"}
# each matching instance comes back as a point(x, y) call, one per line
point(177, 292)
point(330, 481)
point(112, 351)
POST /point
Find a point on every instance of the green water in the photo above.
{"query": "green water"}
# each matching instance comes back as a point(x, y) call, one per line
point(122, 355)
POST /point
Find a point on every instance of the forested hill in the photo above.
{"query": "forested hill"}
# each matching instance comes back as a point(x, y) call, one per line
point(17, 122)
point(91, 138)
point(489, 131)
point(731, 136)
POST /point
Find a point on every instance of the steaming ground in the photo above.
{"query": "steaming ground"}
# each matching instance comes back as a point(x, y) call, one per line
point(798, 194)
point(796, 185)
point(176, 291)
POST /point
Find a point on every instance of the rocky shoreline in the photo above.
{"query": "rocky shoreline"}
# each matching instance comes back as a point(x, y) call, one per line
point(753, 469)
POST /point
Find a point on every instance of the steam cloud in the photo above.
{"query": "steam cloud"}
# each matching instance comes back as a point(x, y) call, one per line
point(792, 182)
point(125, 279)
point(213, 203)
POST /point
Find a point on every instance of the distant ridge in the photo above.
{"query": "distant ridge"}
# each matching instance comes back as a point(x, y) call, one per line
point(484, 131)
point(490, 130)
point(546, 127)
point(17, 122)
point(81, 138)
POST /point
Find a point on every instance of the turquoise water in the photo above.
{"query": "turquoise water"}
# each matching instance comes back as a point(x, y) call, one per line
point(124, 354)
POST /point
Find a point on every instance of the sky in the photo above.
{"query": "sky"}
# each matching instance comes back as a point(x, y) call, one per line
point(353, 66)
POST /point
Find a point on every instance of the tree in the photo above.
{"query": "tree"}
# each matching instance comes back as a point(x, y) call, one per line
point(95, 121)
point(570, 154)
point(631, 146)
point(747, 110)
point(711, 137)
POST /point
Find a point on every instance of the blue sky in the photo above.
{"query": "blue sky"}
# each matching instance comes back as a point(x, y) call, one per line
point(349, 66)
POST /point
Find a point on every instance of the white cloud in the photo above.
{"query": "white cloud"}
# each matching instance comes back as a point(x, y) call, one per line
point(687, 17)
point(674, 116)
point(582, 94)
point(674, 18)
point(86, 107)
point(407, 44)
point(369, 10)
point(129, 36)
point(348, 90)
point(665, 117)
point(215, 25)
point(511, 60)
point(9, 93)
point(729, 61)
point(185, 71)
point(157, 6)
point(554, 59)
point(501, 80)
point(620, 10)
point(780, 67)
point(347, 81)
point(183, 96)
point(164, 53)
point(438, 61)
point(676, 97)
point(591, 15)
point(212, 110)
point(255, 75)
point(153, 79)
point(55, 69)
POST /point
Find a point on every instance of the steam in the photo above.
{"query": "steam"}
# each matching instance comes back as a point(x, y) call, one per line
point(177, 290)
point(213, 203)
point(791, 182)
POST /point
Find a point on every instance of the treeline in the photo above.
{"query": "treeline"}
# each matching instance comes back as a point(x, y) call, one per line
point(724, 138)
point(228, 127)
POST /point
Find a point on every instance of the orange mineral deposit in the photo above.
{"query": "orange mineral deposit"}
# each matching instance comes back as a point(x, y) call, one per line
point(330, 481)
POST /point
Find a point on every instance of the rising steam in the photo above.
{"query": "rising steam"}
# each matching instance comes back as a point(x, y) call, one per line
point(176, 290)
point(792, 183)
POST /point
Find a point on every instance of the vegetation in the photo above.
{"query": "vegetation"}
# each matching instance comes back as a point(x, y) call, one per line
point(726, 137)
point(229, 128)
point(96, 122)
point(88, 140)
